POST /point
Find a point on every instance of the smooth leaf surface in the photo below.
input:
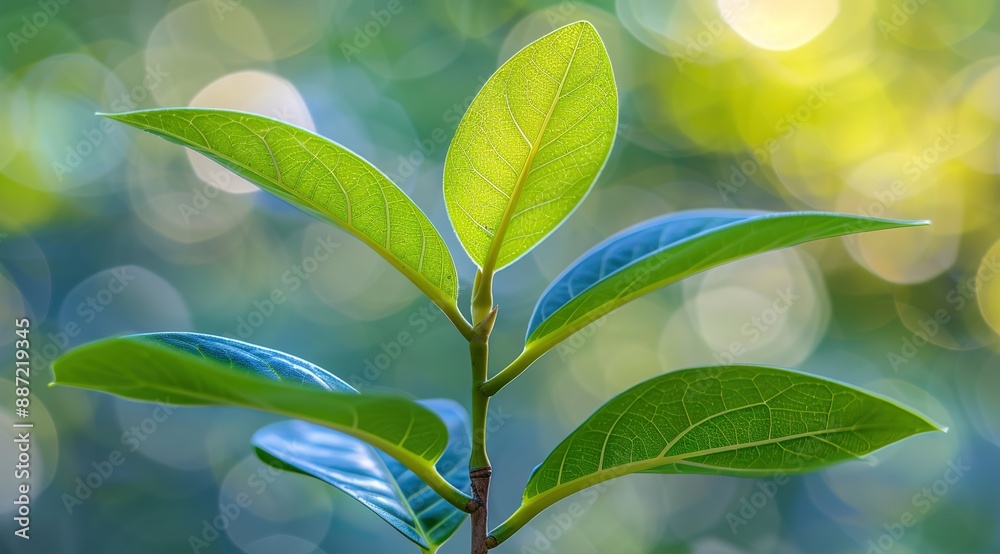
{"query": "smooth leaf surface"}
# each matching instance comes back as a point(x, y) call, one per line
point(320, 177)
point(743, 421)
point(192, 369)
point(531, 145)
point(666, 249)
point(378, 481)
point(251, 358)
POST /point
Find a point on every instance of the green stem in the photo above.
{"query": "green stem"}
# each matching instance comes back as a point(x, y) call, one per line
point(437, 483)
point(479, 352)
point(482, 296)
point(452, 312)
point(509, 373)
point(480, 471)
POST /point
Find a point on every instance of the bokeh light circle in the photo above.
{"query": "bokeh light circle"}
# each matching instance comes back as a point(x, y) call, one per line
point(778, 24)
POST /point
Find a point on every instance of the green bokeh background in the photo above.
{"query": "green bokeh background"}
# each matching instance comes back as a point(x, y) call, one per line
point(887, 108)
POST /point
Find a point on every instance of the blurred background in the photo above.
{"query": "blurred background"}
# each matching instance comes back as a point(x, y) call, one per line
point(886, 108)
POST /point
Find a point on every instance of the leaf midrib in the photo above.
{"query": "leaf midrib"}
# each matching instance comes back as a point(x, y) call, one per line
point(258, 405)
point(489, 263)
point(424, 284)
point(628, 296)
point(418, 527)
point(569, 487)
point(546, 341)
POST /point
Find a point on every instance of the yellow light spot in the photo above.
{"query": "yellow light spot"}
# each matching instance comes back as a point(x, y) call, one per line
point(778, 24)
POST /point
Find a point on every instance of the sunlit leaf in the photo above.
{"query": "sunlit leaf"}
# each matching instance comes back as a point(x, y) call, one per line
point(321, 178)
point(744, 421)
point(378, 481)
point(531, 145)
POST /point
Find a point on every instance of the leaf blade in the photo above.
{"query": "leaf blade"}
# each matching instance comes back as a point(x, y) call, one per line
point(734, 420)
point(192, 369)
point(320, 177)
point(379, 482)
point(666, 249)
point(531, 145)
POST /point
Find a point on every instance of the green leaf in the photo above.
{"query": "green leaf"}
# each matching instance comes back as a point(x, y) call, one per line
point(531, 145)
point(192, 369)
point(379, 482)
point(743, 421)
point(661, 251)
point(321, 178)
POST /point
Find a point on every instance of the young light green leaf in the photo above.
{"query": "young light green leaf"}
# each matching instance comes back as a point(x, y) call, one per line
point(191, 369)
point(321, 178)
point(531, 145)
point(743, 421)
point(661, 251)
point(379, 482)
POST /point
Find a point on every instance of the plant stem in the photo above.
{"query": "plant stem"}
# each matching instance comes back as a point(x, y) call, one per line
point(480, 525)
point(480, 470)
point(479, 353)
point(440, 485)
point(482, 296)
point(509, 373)
point(454, 315)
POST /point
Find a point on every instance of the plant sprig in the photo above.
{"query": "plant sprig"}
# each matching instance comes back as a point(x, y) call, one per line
point(525, 155)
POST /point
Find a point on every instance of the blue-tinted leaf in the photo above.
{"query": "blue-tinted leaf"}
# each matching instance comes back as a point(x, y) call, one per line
point(201, 370)
point(666, 249)
point(376, 480)
point(265, 362)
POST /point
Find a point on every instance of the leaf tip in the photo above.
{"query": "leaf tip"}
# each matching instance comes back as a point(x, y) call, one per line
point(931, 425)
point(120, 116)
point(582, 25)
point(911, 222)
